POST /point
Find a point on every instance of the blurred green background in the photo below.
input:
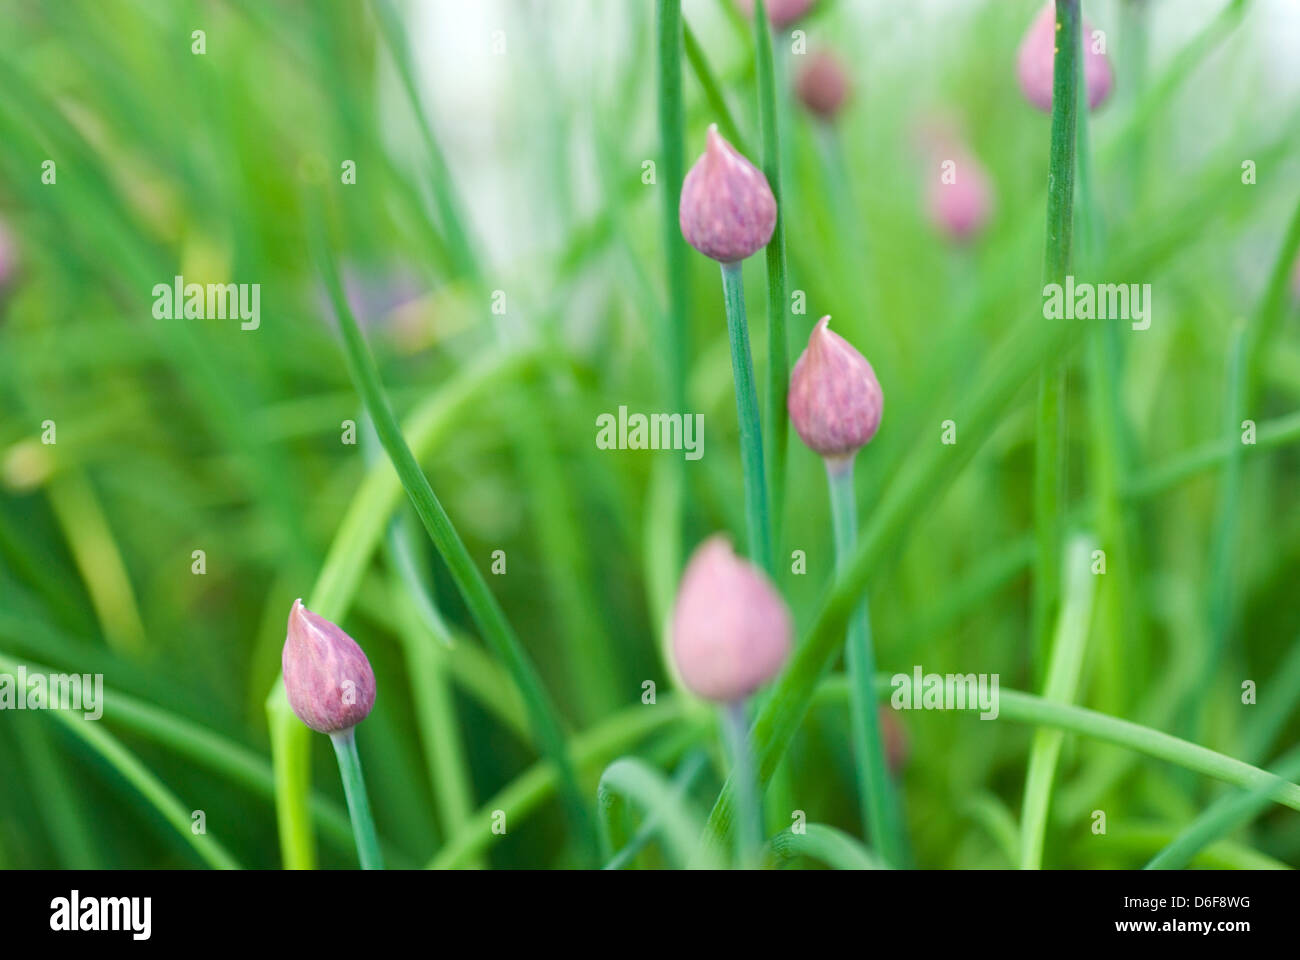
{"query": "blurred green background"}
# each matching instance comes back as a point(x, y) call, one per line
point(506, 259)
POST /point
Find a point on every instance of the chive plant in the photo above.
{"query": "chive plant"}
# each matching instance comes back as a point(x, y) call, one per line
point(835, 405)
point(728, 213)
point(331, 688)
point(731, 634)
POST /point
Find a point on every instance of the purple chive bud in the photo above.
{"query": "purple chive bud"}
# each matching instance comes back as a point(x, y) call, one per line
point(731, 629)
point(326, 674)
point(835, 400)
point(959, 206)
point(780, 13)
point(823, 85)
point(727, 210)
point(1035, 63)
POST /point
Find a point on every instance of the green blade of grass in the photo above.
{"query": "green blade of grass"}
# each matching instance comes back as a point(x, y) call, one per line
point(1227, 814)
point(1049, 437)
point(778, 364)
point(150, 788)
point(595, 747)
point(1062, 682)
point(833, 847)
point(712, 90)
point(632, 780)
point(1027, 708)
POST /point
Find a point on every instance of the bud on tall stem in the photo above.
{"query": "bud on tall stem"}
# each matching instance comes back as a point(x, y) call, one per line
point(331, 688)
point(836, 405)
point(728, 212)
point(731, 633)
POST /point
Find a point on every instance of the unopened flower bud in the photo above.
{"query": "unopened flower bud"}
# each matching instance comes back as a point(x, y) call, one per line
point(727, 210)
point(327, 677)
point(731, 629)
point(1035, 62)
point(823, 85)
point(835, 400)
point(780, 13)
point(959, 205)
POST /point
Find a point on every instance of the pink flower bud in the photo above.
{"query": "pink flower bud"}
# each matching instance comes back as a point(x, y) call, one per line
point(731, 629)
point(835, 400)
point(326, 675)
point(780, 13)
point(1036, 61)
point(960, 204)
point(727, 210)
point(823, 85)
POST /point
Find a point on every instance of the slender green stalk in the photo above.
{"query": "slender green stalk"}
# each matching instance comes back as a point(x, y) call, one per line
point(757, 518)
point(1227, 814)
point(1223, 547)
point(1269, 433)
point(595, 747)
point(672, 132)
point(691, 767)
point(831, 846)
point(1062, 682)
point(482, 604)
point(881, 815)
point(135, 773)
point(463, 259)
point(637, 781)
point(1049, 435)
point(712, 90)
point(354, 787)
point(749, 826)
point(1022, 707)
point(778, 364)
point(425, 642)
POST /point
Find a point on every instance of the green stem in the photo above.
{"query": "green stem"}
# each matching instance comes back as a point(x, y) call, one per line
point(749, 826)
point(591, 748)
point(1049, 447)
point(880, 807)
point(1227, 814)
point(1062, 683)
point(681, 784)
point(633, 779)
point(712, 91)
point(672, 125)
point(778, 371)
point(354, 787)
point(833, 847)
point(751, 435)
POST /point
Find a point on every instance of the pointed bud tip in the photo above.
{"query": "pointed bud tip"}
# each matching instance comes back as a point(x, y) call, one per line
point(731, 631)
point(835, 401)
point(727, 209)
point(327, 678)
